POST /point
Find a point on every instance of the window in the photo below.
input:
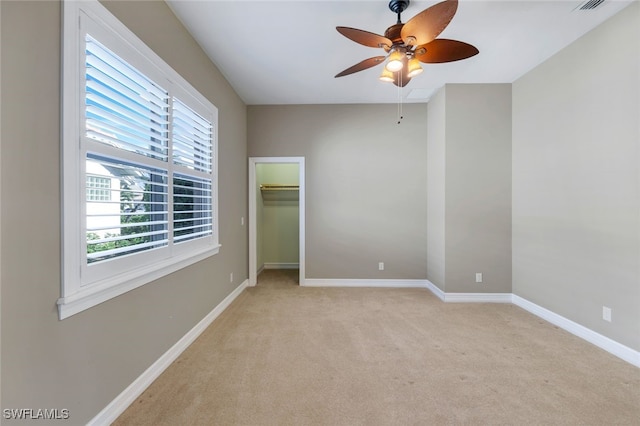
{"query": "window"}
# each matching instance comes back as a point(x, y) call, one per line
point(98, 188)
point(139, 163)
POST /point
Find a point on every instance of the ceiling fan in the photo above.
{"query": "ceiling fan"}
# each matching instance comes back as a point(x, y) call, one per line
point(410, 43)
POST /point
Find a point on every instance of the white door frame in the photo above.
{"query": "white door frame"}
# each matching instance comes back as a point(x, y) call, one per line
point(253, 249)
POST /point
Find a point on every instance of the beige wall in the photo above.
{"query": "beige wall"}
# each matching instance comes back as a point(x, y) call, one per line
point(478, 188)
point(576, 182)
point(83, 362)
point(470, 188)
point(365, 184)
point(278, 236)
point(436, 152)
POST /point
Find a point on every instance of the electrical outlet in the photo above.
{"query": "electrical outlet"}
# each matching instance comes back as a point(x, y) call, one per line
point(242, 221)
point(478, 277)
point(231, 277)
point(606, 313)
point(381, 266)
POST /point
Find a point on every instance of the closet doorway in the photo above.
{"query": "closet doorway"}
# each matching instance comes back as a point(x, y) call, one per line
point(276, 192)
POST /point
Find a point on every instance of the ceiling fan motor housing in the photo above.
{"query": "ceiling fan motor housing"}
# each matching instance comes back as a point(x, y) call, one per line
point(398, 6)
point(393, 33)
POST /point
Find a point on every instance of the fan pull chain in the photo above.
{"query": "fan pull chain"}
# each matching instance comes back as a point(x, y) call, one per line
point(401, 105)
point(400, 116)
point(398, 106)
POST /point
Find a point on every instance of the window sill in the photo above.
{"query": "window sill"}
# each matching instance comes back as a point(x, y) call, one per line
point(120, 284)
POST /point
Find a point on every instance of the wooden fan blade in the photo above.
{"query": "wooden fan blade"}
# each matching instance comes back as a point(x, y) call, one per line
point(364, 37)
point(428, 24)
point(362, 65)
point(443, 50)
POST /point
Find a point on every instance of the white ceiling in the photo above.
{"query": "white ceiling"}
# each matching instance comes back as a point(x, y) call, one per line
point(287, 52)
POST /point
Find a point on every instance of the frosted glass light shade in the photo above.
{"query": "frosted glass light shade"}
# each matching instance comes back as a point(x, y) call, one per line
point(386, 75)
point(395, 61)
point(414, 67)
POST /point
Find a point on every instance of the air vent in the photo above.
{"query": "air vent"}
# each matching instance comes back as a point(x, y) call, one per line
point(590, 4)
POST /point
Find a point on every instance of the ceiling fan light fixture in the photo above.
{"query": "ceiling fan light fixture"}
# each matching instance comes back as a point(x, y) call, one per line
point(414, 67)
point(386, 76)
point(395, 61)
point(409, 44)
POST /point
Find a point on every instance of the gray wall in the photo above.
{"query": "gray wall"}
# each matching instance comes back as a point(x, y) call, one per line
point(478, 188)
point(436, 152)
point(470, 188)
point(576, 182)
point(83, 362)
point(365, 184)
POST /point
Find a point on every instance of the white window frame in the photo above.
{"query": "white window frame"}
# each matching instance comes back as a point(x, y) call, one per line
point(77, 293)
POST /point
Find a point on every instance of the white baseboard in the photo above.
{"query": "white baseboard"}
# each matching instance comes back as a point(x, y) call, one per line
point(621, 351)
point(617, 349)
point(111, 412)
point(477, 297)
point(445, 297)
point(435, 290)
point(281, 266)
point(321, 282)
point(468, 297)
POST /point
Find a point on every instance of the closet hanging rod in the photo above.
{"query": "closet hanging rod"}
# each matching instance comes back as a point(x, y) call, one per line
point(278, 187)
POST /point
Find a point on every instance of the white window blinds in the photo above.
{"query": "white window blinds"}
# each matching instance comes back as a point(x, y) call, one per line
point(127, 111)
point(139, 152)
point(192, 213)
point(135, 217)
point(124, 108)
point(191, 139)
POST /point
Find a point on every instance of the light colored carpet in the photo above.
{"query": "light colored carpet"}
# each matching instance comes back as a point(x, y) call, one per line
point(288, 355)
